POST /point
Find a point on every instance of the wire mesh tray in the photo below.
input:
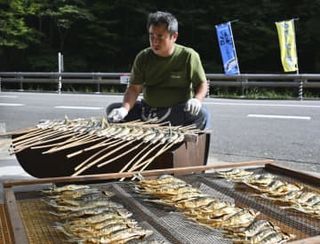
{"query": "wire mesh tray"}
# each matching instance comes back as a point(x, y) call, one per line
point(31, 222)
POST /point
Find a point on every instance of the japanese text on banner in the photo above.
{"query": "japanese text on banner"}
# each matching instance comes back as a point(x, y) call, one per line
point(227, 49)
point(287, 41)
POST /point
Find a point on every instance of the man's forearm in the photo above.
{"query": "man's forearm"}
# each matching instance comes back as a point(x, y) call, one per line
point(201, 91)
point(130, 96)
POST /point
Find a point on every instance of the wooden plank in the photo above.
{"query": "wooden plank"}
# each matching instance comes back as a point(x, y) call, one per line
point(155, 172)
point(310, 240)
point(18, 230)
point(5, 231)
point(309, 178)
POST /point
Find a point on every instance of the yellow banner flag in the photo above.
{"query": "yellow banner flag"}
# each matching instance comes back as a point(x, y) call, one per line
point(287, 41)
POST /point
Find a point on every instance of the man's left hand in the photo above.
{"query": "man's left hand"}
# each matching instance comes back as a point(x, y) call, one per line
point(193, 106)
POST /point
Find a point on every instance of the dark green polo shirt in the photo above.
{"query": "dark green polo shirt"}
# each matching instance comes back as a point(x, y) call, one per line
point(167, 80)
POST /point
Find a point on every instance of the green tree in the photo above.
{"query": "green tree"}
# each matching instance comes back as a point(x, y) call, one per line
point(105, 35)
point(64, 13)
point(14, 31)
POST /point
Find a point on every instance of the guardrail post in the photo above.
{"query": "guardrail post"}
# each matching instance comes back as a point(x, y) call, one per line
point(59, 83)
point(21, 82)
point(208, 91)
point(0, 84)
point(98, 84)
point(60, 70)
point(301, 89)
point(244, 82)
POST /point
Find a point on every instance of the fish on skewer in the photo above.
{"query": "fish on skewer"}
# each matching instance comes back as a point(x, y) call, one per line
point(114, 141)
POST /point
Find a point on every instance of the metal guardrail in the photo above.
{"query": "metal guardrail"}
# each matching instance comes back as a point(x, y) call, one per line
point(243, 81)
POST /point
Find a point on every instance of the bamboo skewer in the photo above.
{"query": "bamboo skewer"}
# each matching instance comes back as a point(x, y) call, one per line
point(90, 158)
point(74, 143)
point(120, 155)
point(57, 136)
point(76, 137)
point(150, 141)
point(134, 158)
point(34, 146)
point(54, 144)
point(103, 143)
point(29, 137)
point(163, 149)
point(99, 159)
point(96, 154)
point(144, 156)
point(82, 150)
point(42, 136)
point(22, 146)
point(148, 161)
point(35, 132)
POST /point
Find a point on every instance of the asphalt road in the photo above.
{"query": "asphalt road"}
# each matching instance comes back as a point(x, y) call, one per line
point(242, 130)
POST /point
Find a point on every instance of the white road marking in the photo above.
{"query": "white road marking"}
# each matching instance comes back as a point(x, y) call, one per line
point(263, 104)
point(270, 116)
point(8, 96)
point(78, 107)
point(11, 104)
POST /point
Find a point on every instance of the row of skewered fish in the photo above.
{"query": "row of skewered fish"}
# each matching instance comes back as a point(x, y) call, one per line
point(289, 195)
point(241, 225)
point(87, 215)
point(145, 140)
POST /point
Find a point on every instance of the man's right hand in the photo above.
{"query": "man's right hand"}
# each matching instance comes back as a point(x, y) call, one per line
point(118, 114)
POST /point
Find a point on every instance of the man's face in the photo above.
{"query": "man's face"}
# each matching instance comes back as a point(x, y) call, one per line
point(161, 42)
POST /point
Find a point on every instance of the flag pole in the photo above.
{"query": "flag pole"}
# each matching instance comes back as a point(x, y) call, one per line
point(288, 49)
point(235, 50)
point(300, 92)
point(296, 19)
point(233, 21)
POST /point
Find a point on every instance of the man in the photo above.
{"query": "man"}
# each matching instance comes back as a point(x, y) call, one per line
point(170, 76)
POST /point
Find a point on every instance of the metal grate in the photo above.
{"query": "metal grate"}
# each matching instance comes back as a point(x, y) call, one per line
point(39, 223)
point(168, 225)
point(186, 230)
point(174, 226)
point(189, 231)
point(292, 222)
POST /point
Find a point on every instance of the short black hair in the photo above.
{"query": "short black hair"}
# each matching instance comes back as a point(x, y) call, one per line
point(163, 18)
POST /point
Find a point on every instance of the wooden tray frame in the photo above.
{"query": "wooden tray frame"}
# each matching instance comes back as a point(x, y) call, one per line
point(19, 232)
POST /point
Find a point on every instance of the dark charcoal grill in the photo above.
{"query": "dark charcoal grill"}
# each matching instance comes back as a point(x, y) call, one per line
point(168, 224)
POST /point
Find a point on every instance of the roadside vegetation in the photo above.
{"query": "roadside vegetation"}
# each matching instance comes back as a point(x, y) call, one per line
point(214, 92)
point(105, 35)
point(264, 93)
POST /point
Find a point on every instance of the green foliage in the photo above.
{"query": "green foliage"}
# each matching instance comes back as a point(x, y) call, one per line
point(105, 35)
point(14, 31)
point(260, 93)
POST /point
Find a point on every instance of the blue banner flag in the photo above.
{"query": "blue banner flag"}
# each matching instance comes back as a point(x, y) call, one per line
point(227, 49)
